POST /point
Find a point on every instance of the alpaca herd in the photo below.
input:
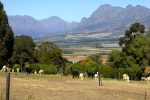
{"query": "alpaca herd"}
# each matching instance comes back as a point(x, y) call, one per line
point(5, 69)
point(74, 73)
point(27, 70)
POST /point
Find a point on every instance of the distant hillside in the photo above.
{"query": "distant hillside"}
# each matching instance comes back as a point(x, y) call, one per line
point(30, 26)
point(56, 25)
point(114, 19)
point(106, 19)
point(25, 25)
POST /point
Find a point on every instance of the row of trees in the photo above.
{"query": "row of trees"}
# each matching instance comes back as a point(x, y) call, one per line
point(27, 52)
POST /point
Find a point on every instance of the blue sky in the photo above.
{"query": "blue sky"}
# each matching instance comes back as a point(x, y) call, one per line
point(69, 10)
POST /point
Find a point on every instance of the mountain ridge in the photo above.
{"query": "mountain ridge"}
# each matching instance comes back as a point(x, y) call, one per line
point(105, 18)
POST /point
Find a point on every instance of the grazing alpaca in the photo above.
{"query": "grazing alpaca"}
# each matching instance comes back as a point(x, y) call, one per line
point(126, 78)
point(97, 76)
point(41, 71)
point(143, 78)
point(74, 73)
point(90, 74)
point(148, 79)
point(35, 72)
point(18, 69)
point(13, 70)
point(81, 76)
point(4, 69)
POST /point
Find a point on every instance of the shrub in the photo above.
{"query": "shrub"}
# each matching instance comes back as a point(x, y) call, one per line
point(15, 66)
point(48, 68)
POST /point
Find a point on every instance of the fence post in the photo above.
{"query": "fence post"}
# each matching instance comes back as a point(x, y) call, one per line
point(7, 86)
point(100, 80)
point(145, 95)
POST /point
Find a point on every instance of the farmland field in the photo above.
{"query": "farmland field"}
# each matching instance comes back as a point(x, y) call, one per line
point(55, 87)
point(86, 51)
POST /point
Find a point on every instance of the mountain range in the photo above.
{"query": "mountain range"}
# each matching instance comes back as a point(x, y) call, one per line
point(106, 19)
point(30, 26)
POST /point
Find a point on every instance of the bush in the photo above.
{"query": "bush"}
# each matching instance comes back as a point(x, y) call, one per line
point(15, 66)
point(48, 68)
point(106, 71)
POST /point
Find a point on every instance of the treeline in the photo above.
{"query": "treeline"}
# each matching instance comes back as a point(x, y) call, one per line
point(29, 55)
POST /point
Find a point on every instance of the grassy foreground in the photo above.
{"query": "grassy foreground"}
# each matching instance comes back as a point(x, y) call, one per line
point(56, 87)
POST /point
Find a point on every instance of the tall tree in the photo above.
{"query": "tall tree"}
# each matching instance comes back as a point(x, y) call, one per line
point(23, 50)
point(135, 44)
point(49, 53)
point(134, 48)
point(6, 37)
point(148, 37)
point(135, 29)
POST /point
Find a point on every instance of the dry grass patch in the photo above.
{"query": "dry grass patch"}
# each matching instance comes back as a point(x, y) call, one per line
point(54, 87)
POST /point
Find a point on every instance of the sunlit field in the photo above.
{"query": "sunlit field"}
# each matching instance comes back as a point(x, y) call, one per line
point(56, 87)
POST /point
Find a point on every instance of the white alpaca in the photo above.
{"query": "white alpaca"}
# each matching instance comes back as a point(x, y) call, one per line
point(4, 68)
point(143, 78)
point(126, 78)
point(35, 72)
point(13, 70)
point(96, 76)
point(148, 79)
point(81, 76)
point(18, 70)
point(41, 71)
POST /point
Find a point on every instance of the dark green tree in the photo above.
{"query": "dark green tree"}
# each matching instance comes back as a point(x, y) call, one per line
point(148, 53)
point(135, 29)
point(135, 45)
point(23, 50)
point(115, 59)
point(49, 53)
point(6, 37)
point(133, 57)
